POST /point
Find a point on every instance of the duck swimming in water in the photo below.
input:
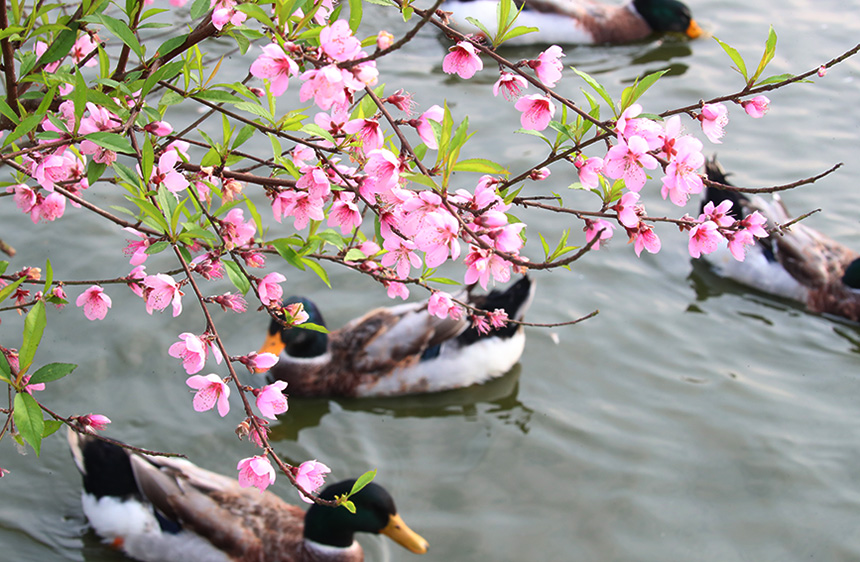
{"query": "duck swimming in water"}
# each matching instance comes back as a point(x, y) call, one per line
point(161, 509)
point(399, 350)
point(800, 263)
point(581, 21)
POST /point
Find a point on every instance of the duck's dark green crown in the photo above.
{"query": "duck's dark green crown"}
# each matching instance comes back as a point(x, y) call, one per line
point(335, 526)
point(299, 342)
point(664, 15)
point(851, 278)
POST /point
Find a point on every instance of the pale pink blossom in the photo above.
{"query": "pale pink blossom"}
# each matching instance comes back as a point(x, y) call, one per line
point(337, 41)
point(384, 40)
point(548, 66)
point(425, 130)
point(211, 390)
point(225, 12)
point(191, 350)
point(24, 197)
point(383, 169)
point(295, 314)
point(396, 289)
point(50, 208)
point(401, 255)
point(138, 272)
point(344, 212)
point(300, 205)
point(629, 125)
point(595, 227)
point(95, 302)
point(645, 238)
point(99, 119)
point(236, 231)
point(627, 159)
point(510, 85)
point(159, 128)
point(756, 107)
point(738, 242)
point(325, 85)
point(259, 362)
point(438, 238)
point(270, 289)
point(166, 174)
point(40, 47)
point(271, 400)
point(481, 264)
point(92, 422)
point(276, 66)
point(310, 476)
point(368, 132)
point(589, 171)
point(162, 291)
point(462, 60)
point(256, 471)
point(442, 305)
point(755, 223)
point(682, 177)
point(718, 214)
point(714, 117)
point(537, 111)
point(137, 248)
point(704, 238)
point(83, 47)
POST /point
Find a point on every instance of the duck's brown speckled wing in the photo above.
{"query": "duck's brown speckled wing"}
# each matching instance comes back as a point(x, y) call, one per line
point(606, 23)
point(243, 522)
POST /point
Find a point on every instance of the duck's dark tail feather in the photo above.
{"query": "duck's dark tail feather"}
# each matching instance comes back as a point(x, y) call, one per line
point(105, 467)
point(715, 173)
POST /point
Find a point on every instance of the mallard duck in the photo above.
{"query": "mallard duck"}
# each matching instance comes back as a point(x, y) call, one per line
point(582, 21)
point(399, 350)
point(159, 509)
point(800, 264)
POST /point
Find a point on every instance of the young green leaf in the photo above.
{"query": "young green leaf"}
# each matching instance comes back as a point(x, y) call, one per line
point(29, 421)
point(34, 327)
point(51, 372)
point(363, 481)
point(767, 56)
point(237, 277)
point(736, 58)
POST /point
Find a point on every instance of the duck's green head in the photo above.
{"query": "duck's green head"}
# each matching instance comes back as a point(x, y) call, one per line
point(851, 277)
point(374, 513)
point(668, 16)
point(297, 342)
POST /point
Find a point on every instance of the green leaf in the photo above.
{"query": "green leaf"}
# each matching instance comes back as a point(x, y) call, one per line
point(284, 249)
point(767, 56)
point(52, 372)
point(34, 327)
point(61, 46)
point(157, 247)
point(171, 44)
point(480, 26)
point(318, 269)
point(199, 8)
point(634, 92)
point(596, 86)
point(312, 327)
point(355, 14)
point(480, 165)
point(218, 96)
point(363, 481)
point(736, 58)
point(383, 3)
point(9, 289)
point(776, 79)
point(5, 369)
point(27, 125)
point(49, 278)
point(29, 421)
point(8, 113)
point(122, 31)
point(350, 507)
point(111, 141)
point(316, 130)
point(517, 31)
point(51, 427)
point(237, 277)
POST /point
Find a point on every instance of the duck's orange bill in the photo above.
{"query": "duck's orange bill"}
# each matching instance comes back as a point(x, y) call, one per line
point(400, 533)
point(273, 344)
point(693, 30)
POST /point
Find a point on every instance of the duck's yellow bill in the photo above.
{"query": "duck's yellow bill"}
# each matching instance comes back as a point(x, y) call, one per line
point(399, 532)
point(273, 344)
point(693, 30)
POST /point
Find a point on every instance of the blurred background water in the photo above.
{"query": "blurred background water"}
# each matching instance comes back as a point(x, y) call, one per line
point(692, 419)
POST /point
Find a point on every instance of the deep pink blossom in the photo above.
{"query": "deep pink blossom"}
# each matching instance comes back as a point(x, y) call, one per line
point(231, 301)
point(756, 107)
point(165, 173)
point(497, 318)
point(138, 272)
point(211, 390)
point(225, 12)
point(537, 111)
point(259, 362)
point(510, 85)
point(383, 169)
point(368, 132)
point(159, 128)
point(704, 238)
point(540, 174)
point(462, 60)
point(271, 400)
point(95, 302)
point(191, 350)
point(50, 208)
point(755, 223)
point(276, 66)
point(162, 291)
point(718, 214)
point(630, 125)
point(256, 471)
point(300, 205)
point(344, 212)
point(136, 248)
point(438, 238)
point(714, 117)
point(548, 66)
point(481, 324)
point(83, 47)
point(270, 289)
point(310, 476)
point(481, 264)
point(92, 422)
point(24, 196)
point(822, 70)
point(627, 159)
point(645, 238)
point(99, 119)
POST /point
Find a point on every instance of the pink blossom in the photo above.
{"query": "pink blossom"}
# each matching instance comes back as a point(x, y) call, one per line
point(99, 119)
point(295, 314)
point(402, 100)
point(136, 248)
point(480, 324)
point(270, 290)
point(50, 208)
point(93, 422)
point(401, 255)
point(589, 171)
point(159, 128)
point(627, 159)
point(271, 400)
point(497, 318)
point(548, 66)
point(682, 178)
point(275, 65)
point(310, 476)
point(644, 237)
point(629, 125)
point(95, 302)
point(30, 388)
point(164, 173)
point(441, 305)
point(52, 169)
point(738, 241)
point(438, 238)
point(325, 85)
point(300, 205)
point(259, 362)
point(396, 289)
point(510, 85)
point(593, 227)
point(754, 223)
point(383, 169)
point(462, 60)
point(236, 231)
point(225, 12)
point(138, 272)
point(368, 132)
point(704, 238)
point(231, 301)
point(163, 291)
point(256, 471)
point(537, 111)
point(3, 472)
point(24, 197)
point(344, 212)
point(384, 40)
point(425, 130)
point(483, 263)
point(40, 47)
point(540, 174)
point(822, 70)
point(756, 107)
point(191, 350)
point(719, 214)
point(714, 117)
point(83, 47)
point(211, 390)
point(338, 43)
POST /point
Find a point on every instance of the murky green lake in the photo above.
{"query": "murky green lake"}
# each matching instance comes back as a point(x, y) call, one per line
point(691, 419)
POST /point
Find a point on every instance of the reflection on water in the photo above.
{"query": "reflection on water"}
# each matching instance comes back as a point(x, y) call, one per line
point(496, 398)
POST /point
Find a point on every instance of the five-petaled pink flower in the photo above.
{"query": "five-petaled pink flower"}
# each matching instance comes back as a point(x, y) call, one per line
point(756, 107)
point(510, 85)
point(401, 255)
point(442, 306)
point(537, 111)
point(270, 289)
point(211, 390)
point(256, 471)
point(310, 475)
point(714, 117)
point(547, 66)
point(162, 291)
point(644, 237)
point(192, 351)
point(95, 302)
point(337, 41)
point(276, 66)
point(271, 400)
point(704, 238)
point(462, 60)
point(627, 159)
